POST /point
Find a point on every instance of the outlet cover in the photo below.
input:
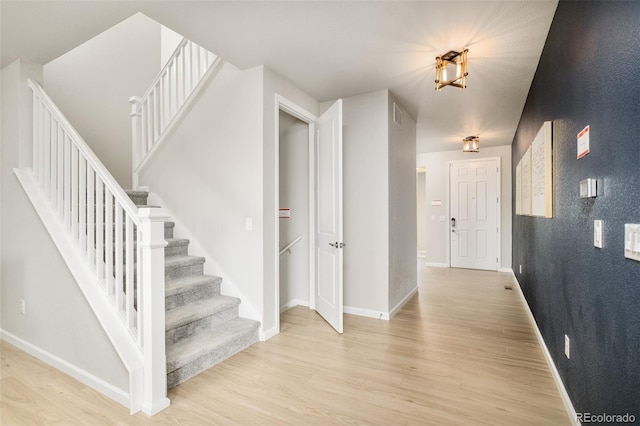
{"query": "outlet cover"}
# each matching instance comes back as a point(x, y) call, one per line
point(567, 346)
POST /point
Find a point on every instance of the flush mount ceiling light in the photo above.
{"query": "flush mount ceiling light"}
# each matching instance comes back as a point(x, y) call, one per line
point(471, 144)
point(452, 58)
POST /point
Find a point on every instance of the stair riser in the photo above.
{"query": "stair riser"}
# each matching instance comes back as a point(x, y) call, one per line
point(191, 295)
point(206, 323)
point(139, 201)
point(183, 271)
point(179, 375)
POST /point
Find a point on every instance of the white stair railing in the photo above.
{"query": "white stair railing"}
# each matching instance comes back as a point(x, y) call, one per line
point(153, 113)
point(122, 246)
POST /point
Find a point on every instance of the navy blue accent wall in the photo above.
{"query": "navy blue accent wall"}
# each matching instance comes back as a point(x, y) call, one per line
point(589, 74)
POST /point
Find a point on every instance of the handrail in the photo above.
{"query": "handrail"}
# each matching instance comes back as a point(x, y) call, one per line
point(83, 148)
point(175, 53)
point(290, 245)
point(119, 247)
point(153, 113)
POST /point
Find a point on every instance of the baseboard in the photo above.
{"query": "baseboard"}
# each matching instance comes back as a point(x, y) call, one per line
point(292, 304)
point(436, 265)
point(554, 371)
point(422, 254)
point(400, 304)
point(366, 313)
point(268, 334)
point(77, 373)
point(508, 270)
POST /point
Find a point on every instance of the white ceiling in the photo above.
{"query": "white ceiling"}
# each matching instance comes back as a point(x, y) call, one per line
point(334, 49)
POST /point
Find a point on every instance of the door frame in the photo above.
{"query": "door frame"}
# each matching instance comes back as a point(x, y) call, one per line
point(498, 209)
point(291, 108)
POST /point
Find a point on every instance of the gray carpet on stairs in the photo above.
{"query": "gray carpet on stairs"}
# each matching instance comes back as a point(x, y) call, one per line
point(202, 326)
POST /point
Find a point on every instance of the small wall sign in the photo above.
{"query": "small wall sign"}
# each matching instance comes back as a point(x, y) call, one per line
point(285, 213)
point(583, 142)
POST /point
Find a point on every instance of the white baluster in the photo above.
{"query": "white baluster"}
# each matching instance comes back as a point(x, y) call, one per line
point(82, 203)
point(60, 177)
point(136, 134)
point(129, 277)
point(75, 189)
point(118, 255)
point(67, 183)
point(100, 229)
point(109, 239)
point(53, 141)
point(47, 156)
point(91, 194)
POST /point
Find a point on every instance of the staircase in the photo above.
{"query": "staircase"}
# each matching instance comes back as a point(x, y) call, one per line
point(202, 326)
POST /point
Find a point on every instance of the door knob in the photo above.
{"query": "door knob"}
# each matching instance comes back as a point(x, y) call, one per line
point(334, 244)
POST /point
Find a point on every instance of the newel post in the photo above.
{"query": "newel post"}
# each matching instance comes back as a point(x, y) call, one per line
point(136, 137)
point(152, 244)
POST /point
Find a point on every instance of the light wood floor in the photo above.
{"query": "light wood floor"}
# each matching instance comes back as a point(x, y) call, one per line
point(460, 352)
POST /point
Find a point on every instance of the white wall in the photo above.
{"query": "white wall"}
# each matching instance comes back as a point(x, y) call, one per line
point(402, 206)
point(169, 41)
point(209, 173)
point(437, 169)
point(58, 320)
point(92, 85)
point(274, 84)
point(294, 194)
point(366, 195)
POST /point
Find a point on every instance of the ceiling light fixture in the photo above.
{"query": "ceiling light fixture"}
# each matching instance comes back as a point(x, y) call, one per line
point(457, 59)
point(471, 144)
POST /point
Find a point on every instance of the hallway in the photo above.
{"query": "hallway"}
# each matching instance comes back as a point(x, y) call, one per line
point(461, 352)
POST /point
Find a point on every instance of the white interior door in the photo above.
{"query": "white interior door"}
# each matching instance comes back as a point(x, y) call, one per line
point(474, 222)
point(328, 297)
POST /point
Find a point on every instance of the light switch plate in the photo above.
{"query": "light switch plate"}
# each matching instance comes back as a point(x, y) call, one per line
point(632, 241)
point(597, 233)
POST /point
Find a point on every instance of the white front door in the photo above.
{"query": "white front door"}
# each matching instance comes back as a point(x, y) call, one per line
point(474, 222)
point(328, 154)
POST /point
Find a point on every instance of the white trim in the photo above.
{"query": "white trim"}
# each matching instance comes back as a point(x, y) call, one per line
point(403, 302)
point(268, 334)
point(292, 304)
point(508, 270)
point(369, 313)
point(436, 265)
point(283, 104)
point(118, 395)
point(568, 405)
point(422, 254)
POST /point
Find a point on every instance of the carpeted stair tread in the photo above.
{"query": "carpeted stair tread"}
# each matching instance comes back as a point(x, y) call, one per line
point(203, 344)
point(136, 193)
point(182, 315)
point(177, 285)
point(176, 242)
point(180, 261)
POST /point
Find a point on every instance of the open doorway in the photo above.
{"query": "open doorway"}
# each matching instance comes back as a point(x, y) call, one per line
point(294, 226)
point(323, 289)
